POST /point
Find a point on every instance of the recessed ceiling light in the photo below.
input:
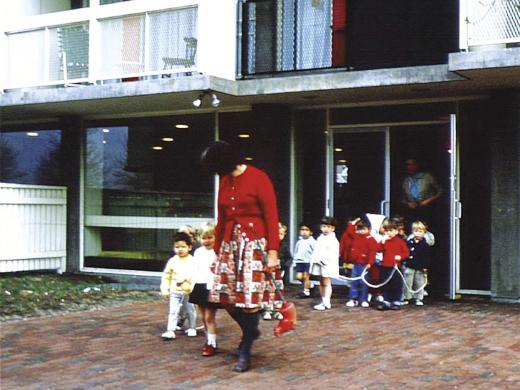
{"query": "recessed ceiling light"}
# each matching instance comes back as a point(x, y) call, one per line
point(342, 161)
point(181, 126)
point(244, 135)
point(157, 147)
point(248, 158)
point(106, 131)
point(104, 141)
point(167, 139)
point(32, 134)
point(338, 149)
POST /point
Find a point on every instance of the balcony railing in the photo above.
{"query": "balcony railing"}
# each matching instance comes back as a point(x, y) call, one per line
point(123, 47)
point(286, 36)
point(489, 22)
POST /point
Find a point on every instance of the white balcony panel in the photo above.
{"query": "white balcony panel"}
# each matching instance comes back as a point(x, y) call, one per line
point(26, 58)
point(122, 46)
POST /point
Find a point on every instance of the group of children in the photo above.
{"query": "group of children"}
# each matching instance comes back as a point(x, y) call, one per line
point(371, 254)
point(186, 281)
point(377, 257)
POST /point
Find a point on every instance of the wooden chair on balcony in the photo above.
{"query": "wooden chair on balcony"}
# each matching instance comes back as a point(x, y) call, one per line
point(183, 62)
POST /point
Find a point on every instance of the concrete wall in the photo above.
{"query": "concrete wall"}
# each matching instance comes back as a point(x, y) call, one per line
point(217, 45)
point(505, 196)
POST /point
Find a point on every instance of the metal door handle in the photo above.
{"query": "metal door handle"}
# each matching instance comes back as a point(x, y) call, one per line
point(458, 209)
point(382, 207)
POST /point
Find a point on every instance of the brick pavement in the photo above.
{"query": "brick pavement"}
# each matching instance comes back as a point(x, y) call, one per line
point(443, 345)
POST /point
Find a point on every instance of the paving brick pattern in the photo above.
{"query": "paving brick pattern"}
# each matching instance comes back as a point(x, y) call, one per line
point(443, 345)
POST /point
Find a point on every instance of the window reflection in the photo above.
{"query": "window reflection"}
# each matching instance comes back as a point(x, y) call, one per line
point(31, 157)
point(143, 181)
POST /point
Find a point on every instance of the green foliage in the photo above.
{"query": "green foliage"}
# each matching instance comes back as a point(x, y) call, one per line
point(30, 294)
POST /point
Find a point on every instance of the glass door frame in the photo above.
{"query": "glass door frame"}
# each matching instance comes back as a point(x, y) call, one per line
point(455, 209)
point(329, 163)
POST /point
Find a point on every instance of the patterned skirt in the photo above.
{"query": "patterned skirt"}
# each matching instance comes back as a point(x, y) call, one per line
point(240, 276)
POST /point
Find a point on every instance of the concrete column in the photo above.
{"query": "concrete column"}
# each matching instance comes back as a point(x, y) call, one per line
point(72, 130)
point(505, 196)
point(272, 124)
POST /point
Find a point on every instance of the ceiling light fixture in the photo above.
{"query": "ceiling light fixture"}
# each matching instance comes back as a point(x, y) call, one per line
point(244, 135)
point(215, 101)
point(167, 139)
point(157, 147)
point(181, 125)
point(32, 134)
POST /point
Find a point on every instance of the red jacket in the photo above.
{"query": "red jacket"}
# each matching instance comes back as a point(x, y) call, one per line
point(358, 248)
point(247, 199)
point(393, 247)
point(346, 242)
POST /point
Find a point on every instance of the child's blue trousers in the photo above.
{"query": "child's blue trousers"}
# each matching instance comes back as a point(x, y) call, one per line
point(358, 288)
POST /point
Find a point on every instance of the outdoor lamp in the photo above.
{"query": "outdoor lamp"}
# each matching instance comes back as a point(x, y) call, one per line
point(197, 102)
point(215, 101)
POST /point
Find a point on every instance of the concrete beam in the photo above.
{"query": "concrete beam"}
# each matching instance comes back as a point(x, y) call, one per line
point(326, 81)
point(331, 81)
point(486, 59)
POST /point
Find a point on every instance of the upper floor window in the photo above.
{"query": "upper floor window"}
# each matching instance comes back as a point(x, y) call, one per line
point(39, 7)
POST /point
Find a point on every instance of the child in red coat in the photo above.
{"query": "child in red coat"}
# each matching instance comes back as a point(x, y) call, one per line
point(362, 254)
point(394, 250)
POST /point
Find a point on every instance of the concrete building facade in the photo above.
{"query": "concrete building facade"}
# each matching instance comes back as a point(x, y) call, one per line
point(330, 98)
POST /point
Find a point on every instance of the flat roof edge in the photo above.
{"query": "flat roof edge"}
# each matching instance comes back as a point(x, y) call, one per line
point(28, 96)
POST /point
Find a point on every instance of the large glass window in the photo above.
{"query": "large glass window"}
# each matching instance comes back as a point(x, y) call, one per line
point(31, 157)
point(142, 182)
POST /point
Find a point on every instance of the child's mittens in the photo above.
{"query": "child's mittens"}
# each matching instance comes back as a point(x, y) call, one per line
point(186, 287)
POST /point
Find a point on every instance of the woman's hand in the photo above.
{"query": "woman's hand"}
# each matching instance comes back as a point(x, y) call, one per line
point(272, 259)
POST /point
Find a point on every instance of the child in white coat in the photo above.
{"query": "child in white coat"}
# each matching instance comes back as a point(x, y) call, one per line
point(204, 258)
point(325, 260)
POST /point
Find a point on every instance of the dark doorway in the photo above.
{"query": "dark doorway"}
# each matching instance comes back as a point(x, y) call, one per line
point(359, 174)
point(430, 146)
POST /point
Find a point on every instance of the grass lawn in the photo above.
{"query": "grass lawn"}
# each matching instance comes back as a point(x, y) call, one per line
point(29, 294)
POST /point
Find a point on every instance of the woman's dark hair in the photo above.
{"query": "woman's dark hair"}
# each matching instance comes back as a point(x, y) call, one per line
point(220, 157)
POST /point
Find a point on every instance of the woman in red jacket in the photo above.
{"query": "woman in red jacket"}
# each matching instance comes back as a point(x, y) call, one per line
point(247, 225)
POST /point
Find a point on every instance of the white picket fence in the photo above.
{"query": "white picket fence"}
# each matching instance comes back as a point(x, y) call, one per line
point(32, 227)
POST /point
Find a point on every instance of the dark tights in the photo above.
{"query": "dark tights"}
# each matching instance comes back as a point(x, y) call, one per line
point(248, 323)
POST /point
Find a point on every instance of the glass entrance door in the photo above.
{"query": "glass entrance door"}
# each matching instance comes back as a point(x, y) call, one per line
point(358, 163)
